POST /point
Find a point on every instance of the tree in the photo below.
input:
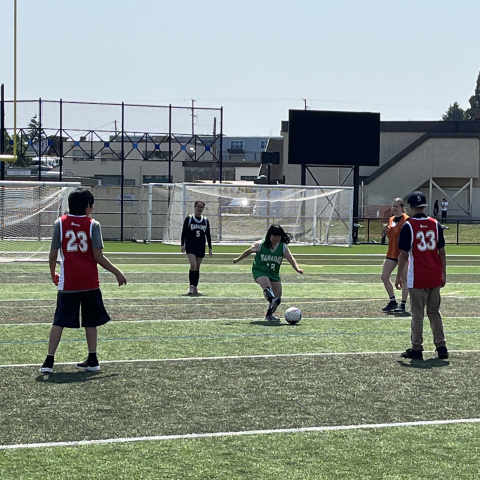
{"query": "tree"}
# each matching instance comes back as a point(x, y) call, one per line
point(32, 128)
point(455, 113)
point(474, 102)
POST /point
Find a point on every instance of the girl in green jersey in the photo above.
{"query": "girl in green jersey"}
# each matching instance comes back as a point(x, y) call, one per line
point(269, 254)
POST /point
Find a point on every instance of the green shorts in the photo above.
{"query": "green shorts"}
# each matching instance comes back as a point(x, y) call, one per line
point(259, 272)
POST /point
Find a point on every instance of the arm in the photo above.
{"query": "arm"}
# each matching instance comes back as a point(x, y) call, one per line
point(401, 269)
point(443, 259)
point(245, 254)
point(184, 235)
point(105, 263)
point(52, 263)
point(291, 260)
point(209, 239)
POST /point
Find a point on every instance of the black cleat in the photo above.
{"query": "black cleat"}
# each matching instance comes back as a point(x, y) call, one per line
point(391, 306)
point(442, 352)
point(413, 354)
point(47, 366)
point(89, 365)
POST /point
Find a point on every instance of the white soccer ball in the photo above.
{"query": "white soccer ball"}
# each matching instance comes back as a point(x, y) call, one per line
point(293, 315)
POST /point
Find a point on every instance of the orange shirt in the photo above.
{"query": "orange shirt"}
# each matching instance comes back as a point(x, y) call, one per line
point(393, 234)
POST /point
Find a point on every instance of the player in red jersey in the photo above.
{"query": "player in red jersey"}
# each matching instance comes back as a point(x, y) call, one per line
point(79, 240)
point(421, 242)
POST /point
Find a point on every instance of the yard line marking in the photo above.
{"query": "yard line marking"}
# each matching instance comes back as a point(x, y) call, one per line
point(238, 357)
point(241, 320)
point(236, 320)
point(242, 433)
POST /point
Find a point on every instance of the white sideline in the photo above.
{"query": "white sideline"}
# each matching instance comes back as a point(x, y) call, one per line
point(237, 357)
point(238, 434)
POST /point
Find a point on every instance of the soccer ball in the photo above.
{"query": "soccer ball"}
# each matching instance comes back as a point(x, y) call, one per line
point(293, 315)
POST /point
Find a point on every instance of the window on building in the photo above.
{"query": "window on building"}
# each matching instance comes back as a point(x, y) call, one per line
point(192, 174)
point(263, 144)
point(236, 144)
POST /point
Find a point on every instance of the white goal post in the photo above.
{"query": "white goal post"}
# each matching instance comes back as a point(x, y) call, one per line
point(28, 211)
point(242, 213)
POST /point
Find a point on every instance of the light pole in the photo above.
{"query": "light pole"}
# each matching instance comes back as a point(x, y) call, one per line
point(13, 158)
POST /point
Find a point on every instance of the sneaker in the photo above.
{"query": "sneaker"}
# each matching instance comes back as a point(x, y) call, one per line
point(442, 352)
point(47, 366)
point(90, 365)
point(391, 306)
point(413, 354)
point(274, 304)
point(271, 318)
point(401, 310)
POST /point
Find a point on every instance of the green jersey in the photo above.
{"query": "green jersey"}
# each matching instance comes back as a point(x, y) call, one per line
point(267, 261)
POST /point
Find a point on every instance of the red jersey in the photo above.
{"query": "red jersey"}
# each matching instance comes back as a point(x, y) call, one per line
point(79, 268)
point(424, 263)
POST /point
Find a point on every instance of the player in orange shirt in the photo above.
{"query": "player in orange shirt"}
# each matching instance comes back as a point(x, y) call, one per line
point(392, 230)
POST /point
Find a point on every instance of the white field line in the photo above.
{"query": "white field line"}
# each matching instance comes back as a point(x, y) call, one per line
point(234, 320)
point(237, 357)
point(244, 433)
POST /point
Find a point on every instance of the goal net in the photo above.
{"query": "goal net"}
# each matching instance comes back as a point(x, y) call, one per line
point(242, 213)
point(28, 211)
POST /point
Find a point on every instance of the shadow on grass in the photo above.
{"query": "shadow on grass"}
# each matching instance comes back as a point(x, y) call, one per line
point(270, 324)
point(72, 377)
point(424, 364)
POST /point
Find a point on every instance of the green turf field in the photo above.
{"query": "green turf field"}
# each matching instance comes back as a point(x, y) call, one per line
point(201, 387)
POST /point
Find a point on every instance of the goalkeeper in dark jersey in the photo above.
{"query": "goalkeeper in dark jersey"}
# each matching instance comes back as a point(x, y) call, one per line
point(269, 254)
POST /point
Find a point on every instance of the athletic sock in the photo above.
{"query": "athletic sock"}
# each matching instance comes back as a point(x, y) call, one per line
point(404, 304)
point(392, 299)
point(194, 277)
point(92, 355)
point(268, 292)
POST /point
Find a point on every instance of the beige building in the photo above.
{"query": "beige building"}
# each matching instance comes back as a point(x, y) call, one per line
point(440, 158)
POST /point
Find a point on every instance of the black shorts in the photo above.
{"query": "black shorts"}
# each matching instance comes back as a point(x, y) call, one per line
point(394, 259)
point(67, 313)
point(195, 249)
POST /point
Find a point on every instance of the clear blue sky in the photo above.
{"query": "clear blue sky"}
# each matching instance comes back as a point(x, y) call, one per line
point(407, 59)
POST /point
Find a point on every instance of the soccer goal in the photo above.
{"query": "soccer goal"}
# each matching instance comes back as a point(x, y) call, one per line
point(242, 213)
point(28, 211)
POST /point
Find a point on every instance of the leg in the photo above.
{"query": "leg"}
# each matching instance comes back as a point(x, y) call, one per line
point(388, 267)
point(272, 291)
point(91, 335)
point(433, 313)
point(54, 340)
point(197, 279)
point(91, 362)
point(418, 299)
point(193, 273)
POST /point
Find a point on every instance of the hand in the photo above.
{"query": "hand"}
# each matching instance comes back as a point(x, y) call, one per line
point(56, 279)
point(300, 270)
point(121, 279)
point(399, 282)
point(210, 253)
point(235, 260)
point(444, 280)
point(182, 249)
